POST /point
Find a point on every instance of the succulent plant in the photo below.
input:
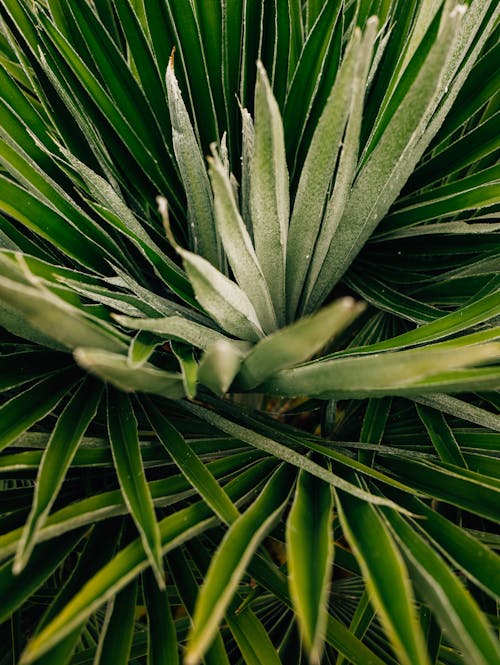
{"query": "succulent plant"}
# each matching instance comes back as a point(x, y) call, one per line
point(249, 343)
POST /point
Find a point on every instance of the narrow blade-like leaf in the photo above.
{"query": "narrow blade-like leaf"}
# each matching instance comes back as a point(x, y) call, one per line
point(309, 539)
point(123, 436)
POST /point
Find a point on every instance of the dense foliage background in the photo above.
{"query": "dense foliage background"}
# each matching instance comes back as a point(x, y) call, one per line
point(248, 407)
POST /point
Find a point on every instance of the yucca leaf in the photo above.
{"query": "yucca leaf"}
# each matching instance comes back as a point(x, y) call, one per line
point(348, 160)
point(454, 608)
point(226, 303)
point(123, 437)
point(238, 245)
point(127, 564)
point(441, 436)
point(285, 453)
point(467, 489)
point(229, 563)
point(141, 348)
point(337, 635)
point(45, 560)
point(315, 178)
point(194, 175)
point(179, 328)
point(162, 641)
point(58, 319)
point(477, 561)
point(111, 504)
point(297, 342)
point(57, 457)
point(269, 195)
point(251, 638)
point(460, 409)
point(190, 465)
point(385, 575)
point(309, 538)
point(24, 409)
point(399, 373)
point(115, 368)
point(389, 165)
point(116, 636)
point(219, 366)
point(189, 367)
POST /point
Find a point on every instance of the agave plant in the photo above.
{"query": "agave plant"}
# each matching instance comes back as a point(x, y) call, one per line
point(249, 295)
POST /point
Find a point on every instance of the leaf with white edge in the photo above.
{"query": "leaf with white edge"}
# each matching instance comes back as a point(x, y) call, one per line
point(316, 177)
point(115, 638)
point(441, 435)
point(309, 538)
point(61, 448)
point(238, 244)
point(180, 329)
point(252, 638)
point(124, 440)
point(386, 577)
point(189, 367)
point(269, 196)
point(248, 137)
point(26, 408)
point(231, 559)
point(297, 342)
point(193, 173)
point(175, 529)
point(115, 368)
point(196, 472)
point(142, 347)
point(391, 373)
point(389, 165)
point(454, 608)
point(162, 638)
point(57, 319)
point(226, 303)
point(348, 159)
point(219, 366)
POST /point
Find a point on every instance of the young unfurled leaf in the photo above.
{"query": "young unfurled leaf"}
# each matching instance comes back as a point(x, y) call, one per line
point(238, 245)
point(222, 298)
point(115, 368)
point(296, 343)
point(193, 173)
point(269, 196)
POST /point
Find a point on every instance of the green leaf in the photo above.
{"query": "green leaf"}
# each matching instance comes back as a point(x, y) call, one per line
point(226, 303)
point(162, 644)
point(385, 575)
point(117, 633)
point(191, 466)
point(194, 175)
point(219, 366)
point(441, 436)
point(252, 638)
point(389, 165)
point(229, 563)
point(123, 437)
point(26, 408)
point(238, 245)
point(179, 328)
point(189, 367)
point(127, 564)
point(297, 342)
point(309, 538)
point(115, 368)
point(269, 197)
point(16, 589)
point(454, 608)
point(460, 409)
point(58, 319)
point(399, 373)
point(65, 438)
